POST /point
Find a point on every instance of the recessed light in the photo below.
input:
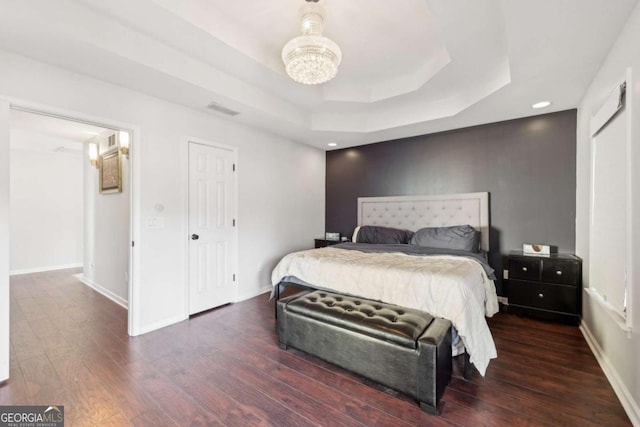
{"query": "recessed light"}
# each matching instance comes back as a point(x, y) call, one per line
point(332, 144)
point(541, 104)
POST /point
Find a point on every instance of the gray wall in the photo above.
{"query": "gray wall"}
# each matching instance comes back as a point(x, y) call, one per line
point(527, 165)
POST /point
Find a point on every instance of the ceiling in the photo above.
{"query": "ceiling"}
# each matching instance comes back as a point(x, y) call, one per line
point(49, 134)
point(71, 131)
point(409, 67)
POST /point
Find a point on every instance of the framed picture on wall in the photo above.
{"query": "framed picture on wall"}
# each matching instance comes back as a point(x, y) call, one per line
point(110, 177)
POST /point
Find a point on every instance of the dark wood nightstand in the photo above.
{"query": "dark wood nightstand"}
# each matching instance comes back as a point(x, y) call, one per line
point(321, 243)
point(546, 287)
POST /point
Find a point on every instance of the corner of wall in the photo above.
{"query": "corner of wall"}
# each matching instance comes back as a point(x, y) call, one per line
point(615, 351)
point(4, 240)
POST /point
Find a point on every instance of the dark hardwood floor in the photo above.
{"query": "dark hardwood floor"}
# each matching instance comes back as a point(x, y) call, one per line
point(69, 346)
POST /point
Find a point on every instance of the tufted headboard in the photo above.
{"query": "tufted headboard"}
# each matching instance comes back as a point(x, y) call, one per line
point(415, 212)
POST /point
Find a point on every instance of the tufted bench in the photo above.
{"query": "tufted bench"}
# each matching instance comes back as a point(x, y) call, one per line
point(404, 349)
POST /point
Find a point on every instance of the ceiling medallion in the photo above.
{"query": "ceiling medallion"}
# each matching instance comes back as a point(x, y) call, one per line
point(311, 58)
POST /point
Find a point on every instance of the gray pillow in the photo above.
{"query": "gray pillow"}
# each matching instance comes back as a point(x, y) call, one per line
point(459, 237)
point(382, 235)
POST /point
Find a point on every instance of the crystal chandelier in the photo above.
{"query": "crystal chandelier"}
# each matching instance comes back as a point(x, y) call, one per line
point(311, 58)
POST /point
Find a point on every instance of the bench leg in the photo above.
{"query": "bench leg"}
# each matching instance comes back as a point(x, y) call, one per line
point(276, 297)
point(282, 346)
point(468, 367)
point(431, 410)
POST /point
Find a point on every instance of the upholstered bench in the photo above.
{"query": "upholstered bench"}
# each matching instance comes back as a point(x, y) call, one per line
point(404, 349)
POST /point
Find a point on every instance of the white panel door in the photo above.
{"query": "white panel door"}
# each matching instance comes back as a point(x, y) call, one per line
point(211, 227)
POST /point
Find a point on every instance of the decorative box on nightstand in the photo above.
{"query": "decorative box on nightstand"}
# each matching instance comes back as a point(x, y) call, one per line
point(548, 287)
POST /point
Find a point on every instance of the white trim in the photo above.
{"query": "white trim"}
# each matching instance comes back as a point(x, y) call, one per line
point(162, 323)
point(480, 216)
point(629, 102)
point(62, 116)
point(625, 397)
point(4, 367)
point(134, 323)
point(608, 109)
point(133, 319)
point(185, 202)
point(43, 269)
point(611, 106)
point(184, 152)
point(249, 295)
point(105, 292)
point(610, 310)
point(5, 307)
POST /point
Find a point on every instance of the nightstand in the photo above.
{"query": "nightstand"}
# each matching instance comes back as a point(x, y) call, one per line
point(548, 287)
point(321, 243)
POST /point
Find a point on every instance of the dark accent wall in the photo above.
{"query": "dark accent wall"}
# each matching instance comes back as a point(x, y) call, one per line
point(527, 165)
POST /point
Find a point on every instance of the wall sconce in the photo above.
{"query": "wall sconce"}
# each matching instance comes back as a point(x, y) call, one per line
point(123, 139)
point(93, 155)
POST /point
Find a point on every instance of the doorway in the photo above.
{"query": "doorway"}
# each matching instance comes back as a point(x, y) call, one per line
point(46, 193)
point(96, 225)
point(212, 225)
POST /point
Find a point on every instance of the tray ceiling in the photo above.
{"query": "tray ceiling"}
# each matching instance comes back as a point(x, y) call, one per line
point(409, 67)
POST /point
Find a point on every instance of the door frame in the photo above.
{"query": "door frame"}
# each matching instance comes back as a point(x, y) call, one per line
point(185, 203)
point(134, 306)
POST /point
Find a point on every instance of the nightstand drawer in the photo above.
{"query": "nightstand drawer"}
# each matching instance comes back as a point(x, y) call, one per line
point(543, 295)
point(523, 268)
point(556, 271)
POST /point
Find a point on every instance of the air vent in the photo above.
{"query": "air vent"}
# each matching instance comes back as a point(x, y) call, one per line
point(221, 109)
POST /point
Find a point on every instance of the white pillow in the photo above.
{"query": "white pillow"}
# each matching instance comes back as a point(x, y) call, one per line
point(354, 239)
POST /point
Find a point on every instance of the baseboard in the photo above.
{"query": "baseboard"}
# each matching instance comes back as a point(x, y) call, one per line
point(249, 295)
point(43, 269)
point(162, 324)
point(106, 292)
point(626, 399)
point(176, 319)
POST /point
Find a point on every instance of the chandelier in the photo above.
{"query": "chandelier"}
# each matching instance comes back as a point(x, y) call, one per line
point(311, 58)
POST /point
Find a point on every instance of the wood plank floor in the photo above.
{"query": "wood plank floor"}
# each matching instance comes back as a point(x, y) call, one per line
point(69, 346)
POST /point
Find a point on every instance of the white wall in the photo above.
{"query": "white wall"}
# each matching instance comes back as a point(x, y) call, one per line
point(106, 231)
point(4, 240)
point(281, 183)
point(617, 352)
point(46, 204)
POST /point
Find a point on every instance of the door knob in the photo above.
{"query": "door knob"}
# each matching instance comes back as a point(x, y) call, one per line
point(194, 237)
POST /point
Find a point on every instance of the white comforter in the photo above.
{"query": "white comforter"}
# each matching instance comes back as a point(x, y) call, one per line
point(455, 288)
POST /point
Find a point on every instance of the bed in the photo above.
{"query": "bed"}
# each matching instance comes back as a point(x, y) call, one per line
point(455, 283)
